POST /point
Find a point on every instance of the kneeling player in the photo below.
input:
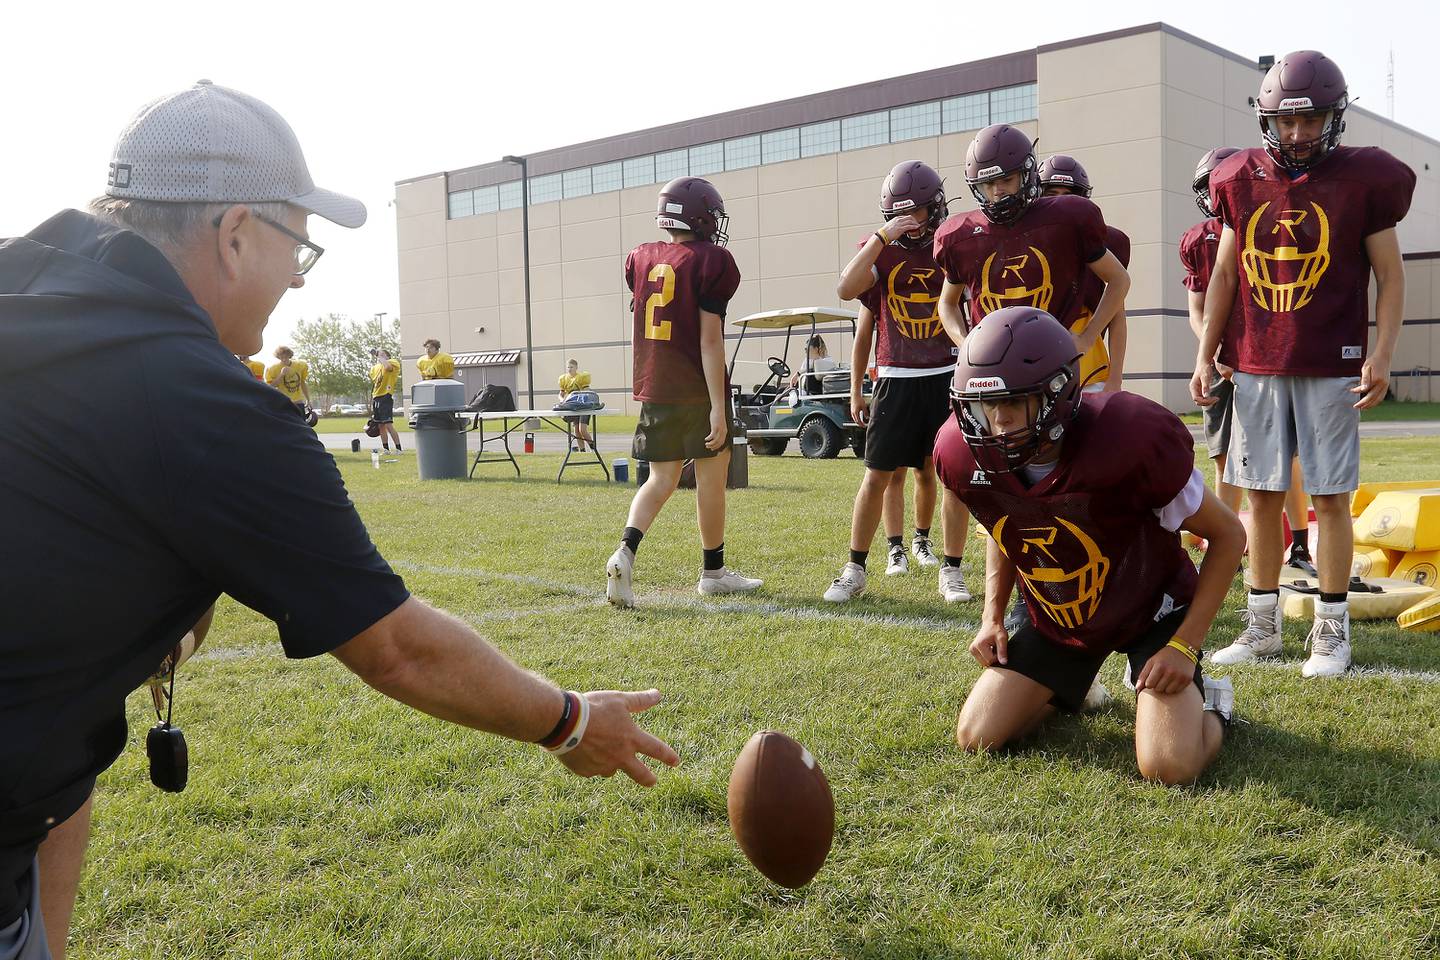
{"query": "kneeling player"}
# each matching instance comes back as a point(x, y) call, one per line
point(680, 288)
point(1084, 499)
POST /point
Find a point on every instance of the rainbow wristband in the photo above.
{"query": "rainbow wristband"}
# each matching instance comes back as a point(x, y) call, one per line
point(1186, 649)
point(577, 733)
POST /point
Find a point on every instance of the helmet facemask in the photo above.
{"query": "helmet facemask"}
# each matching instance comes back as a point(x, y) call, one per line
point(1006, 210)
point(937, 210)
point(1201, 186)
point(1307, 153)
point(1009, 451)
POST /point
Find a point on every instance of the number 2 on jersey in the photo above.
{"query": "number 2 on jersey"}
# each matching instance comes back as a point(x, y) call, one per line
point(666, 275)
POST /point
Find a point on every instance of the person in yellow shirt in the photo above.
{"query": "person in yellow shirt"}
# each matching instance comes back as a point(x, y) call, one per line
point(383, 377)
point(571, 380)
point(435, 365)
point(256, 368)
point(291, 377)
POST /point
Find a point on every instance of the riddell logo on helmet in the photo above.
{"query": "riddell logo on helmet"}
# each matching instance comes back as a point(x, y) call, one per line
point(1296, 103)
point(984, 383)
point(905, 204)
point(1061, 178)
point(994, 171)
point(674, 207)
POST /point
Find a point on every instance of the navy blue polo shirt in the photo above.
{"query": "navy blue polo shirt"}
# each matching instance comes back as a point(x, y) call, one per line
point(143, 473)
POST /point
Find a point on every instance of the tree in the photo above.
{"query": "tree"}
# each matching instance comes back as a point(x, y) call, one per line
point(338, 351)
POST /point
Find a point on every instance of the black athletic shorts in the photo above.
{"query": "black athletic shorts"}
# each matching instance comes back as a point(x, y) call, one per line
point(1217, 415)
point(905, 415)
point(1068, 672)
point(382, 409)
point(676, 431)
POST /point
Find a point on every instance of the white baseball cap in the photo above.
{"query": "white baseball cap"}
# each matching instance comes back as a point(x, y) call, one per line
point(211, 144)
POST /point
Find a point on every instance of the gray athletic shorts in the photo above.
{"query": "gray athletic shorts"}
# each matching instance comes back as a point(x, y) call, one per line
point(25, 938)
point(1277, 418)
point(1217, 415)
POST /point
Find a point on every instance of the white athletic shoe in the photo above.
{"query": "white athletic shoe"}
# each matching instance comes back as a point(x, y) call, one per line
point(728, 581)
point(1096, 698)
point(618, 571)
point(1261, 636)
point(920, 546)
point(898, 563)
point(1329, 643)
point(1219, 698)
point(849, 585)
point(952, 585)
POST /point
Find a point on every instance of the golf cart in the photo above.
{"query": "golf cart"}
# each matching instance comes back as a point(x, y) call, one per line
point(816, 411)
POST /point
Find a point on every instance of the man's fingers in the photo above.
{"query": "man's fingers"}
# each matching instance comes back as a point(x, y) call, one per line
point(636, 770)
point(638, 701)
point(1002, 649)
point(652, 746)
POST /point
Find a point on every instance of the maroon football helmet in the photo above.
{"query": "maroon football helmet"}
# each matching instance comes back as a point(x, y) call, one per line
point(1302, 82)
point(913, 186)
point(693, 204)
point(1015, 353)
point(1203, 169)
point(1064, 171)
point(996, 151)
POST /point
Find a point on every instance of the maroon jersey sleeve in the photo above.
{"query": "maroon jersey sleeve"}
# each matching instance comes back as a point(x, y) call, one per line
point(717, 279)
point(630, 270)
point(1190, 240)
point(1118, 243)
point(954, 463)
point(1090, 232)
point(1161, 448)
point(1392, 185)
point(944, 249)
point(1222, 185)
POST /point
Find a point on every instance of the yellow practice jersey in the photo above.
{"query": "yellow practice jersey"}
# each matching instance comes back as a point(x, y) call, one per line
point(569, 384)
point(383, 377)
point(256, 368)
point(435, 368)
point(289, 382)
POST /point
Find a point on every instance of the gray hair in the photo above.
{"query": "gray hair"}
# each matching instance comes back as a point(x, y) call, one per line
point(170, 226)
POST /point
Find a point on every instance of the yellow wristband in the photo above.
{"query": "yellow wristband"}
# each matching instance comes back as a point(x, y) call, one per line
point(881, 237)
point(1185, 648)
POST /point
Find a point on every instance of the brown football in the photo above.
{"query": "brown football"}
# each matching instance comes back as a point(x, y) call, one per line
point(781, 811)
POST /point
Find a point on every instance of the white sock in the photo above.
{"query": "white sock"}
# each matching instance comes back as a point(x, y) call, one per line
point(1263, 601)
point(1332, 611)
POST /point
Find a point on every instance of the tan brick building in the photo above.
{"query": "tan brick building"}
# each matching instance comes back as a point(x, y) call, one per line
point(801, 180)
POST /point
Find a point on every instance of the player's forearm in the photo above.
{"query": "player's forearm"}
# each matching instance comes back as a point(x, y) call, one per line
point(999, 582)
point(1112, 303)
point(1119, 336)
point(1223, 550)
point(952, 318)
point(1389, 315)
point(860, 351)
point(712, 361)
point(428, 660)
point(858, 275)
point(1195, 302)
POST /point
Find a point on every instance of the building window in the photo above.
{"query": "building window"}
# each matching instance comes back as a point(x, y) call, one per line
point(970, 112)
point(639, 171)
point(780, 145)
point(921, 120)
point(670, 165)
point(607, 176)
point(511, 195)
point(709, 158)
point(820, 138)
point(1013, 104)
point(742, 153)
point(577, 183)
point(462, 204)
point(546, 188)
point(487, 200)
point(866, 130)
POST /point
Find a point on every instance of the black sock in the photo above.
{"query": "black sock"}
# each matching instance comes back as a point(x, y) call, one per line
point(387, 448)
point(631, 538)
point(714, 559)
point(896, 541)
point(1255, 592)
point(922, 532)
point(397, 445)
point(859, 556)
point(951, 561)
point(1332, 597)
point(1300, 541)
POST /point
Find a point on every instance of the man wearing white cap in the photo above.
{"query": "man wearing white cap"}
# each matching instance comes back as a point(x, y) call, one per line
point(124, 523)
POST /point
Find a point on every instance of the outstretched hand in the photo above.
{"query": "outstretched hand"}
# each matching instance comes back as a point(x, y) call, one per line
point(615, 742)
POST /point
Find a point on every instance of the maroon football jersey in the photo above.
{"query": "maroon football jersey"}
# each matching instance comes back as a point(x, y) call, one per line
point(1096, 567)
point(1092, 288)
point(905, 299)
point(1198, 248)
point(1300, 252)
point(1038, 261)
point(670, 283)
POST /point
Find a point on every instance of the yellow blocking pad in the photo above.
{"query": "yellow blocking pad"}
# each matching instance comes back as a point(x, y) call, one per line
point(1367, 492)
point(1401, 520)
point(1419, 566)
point(1399, 595)
point(1424, 616)
point(1374, 562)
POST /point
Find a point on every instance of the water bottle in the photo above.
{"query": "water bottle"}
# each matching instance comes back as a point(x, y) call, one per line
point(375, 459)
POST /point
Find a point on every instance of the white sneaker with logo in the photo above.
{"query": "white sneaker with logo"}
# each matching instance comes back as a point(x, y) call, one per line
point(1096, 698)
point(1219, 698)
point(727, 581)
point(849, 585)
point(920, 546)
point(1329, 641)
point(618, 571)
point(898, 563)
point(1261, 636)
point(952, 585)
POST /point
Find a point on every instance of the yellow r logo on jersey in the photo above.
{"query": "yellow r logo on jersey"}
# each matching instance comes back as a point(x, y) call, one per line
point(913, 312)
point(1285, 279)
point(1026, 291)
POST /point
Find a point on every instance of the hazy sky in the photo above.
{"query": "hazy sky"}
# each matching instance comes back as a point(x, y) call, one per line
point(383, 92)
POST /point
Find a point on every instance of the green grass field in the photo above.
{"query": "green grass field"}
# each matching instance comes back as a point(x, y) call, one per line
point(323, 821)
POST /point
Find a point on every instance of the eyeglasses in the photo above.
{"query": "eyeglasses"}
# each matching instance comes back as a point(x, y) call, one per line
point(307, 254)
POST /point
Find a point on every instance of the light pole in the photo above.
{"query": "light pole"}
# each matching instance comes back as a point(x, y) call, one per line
point(525, 246)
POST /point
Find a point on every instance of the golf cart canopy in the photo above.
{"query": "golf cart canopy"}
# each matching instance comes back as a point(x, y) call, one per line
point(797, 317)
